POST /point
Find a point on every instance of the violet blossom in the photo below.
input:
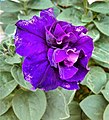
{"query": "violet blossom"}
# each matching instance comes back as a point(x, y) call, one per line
point(56, 53)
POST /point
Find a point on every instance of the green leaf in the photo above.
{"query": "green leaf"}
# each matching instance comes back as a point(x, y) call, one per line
point(29, 16)
point(71, 15)
point(69, 95)
point(8, 116)
point(9, 6)
point(29, 105)
point(12, 60)
point(107, 76)
point(101, 50)
point(90, 26)
point(11, 48)
point(57, 107)
point(5, 104)
point(7, 84)
point(94, 34)
point(94, 106)
point(95, 79)
point(67, 3)
point(41, 4)
point(100, 7)
point(19, 78)
point(105, 91)
point(103, 25)
point(56, 11)
point(10, 28)
point(106, 113)
point(3, 65)
point(75, 111)
point(87, 18)
point(103, 64)
point(8, 18)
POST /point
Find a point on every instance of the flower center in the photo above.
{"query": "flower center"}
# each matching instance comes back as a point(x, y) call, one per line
point(71, 58)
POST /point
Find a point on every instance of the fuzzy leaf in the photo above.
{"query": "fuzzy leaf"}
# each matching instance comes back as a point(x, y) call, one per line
point(106, 113)
point(5, 104)
point(12, 60)
point(19, 78)
point(75, 111)
point(9, 6)
point(103, 25)
point(7, 84)
point(71, 15)
point(100, 7)
point(9, 115)
point(94, 106)
point(57, 107)
point(105, 91)
point(29, 105)
point(41, 4)
point(95, 79)
point(69, 95)
point(101, 50)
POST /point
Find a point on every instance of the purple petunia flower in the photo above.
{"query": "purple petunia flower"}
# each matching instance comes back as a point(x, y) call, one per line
point(56, 52)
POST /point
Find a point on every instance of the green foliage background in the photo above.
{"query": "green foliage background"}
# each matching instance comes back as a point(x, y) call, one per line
point(91, 102)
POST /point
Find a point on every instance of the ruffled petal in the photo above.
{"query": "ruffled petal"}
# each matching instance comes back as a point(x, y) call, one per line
point(63, 24)
point(27, 43)
point(50, 79)
point(71, 37)
point(50, 57)
point(58, 31)
point(85, 44)
point(59, 55)
point(69, 85)
point(81, 29)
point(50, 39)
point(34, 68)
point(79, 76)
point(48, 15)
point(67, 72)
point(35, 26)
point(69, 28)
point(71, 58)
point(83, 60)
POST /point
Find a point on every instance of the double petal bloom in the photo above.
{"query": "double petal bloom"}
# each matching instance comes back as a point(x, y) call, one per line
point(56, 52)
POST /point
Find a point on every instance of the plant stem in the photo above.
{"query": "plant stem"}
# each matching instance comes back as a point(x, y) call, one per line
point(26, 7)
point(85, 6)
